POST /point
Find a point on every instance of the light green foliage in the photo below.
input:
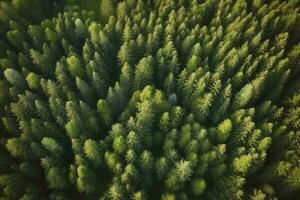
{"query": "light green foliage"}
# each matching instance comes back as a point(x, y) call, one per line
point(144, 72)
point(115, 192)
point(243, 96)
point(52, 146)
point(183, 170)
point(198, 186)
point(14, 78)
point(80, 28)
point(16, 146)
point(119, 144)
point(93, 151)
point(106, 9)
point(86, 181)
point(138, 196)
point(105, 112)
point(223, 130)
point(74, 66)
point(293, 179)
point(243, 163)
point(33, 80)
point(168, 197)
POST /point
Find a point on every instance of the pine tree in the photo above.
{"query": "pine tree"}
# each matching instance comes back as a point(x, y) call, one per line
point(223, 130)
point(105, 112)
point(243, 96)
point(52, 146)
point(86, 180)
point(15, 78)
point(106, 9)
point(144, 72)
point(92, 151)
point(85, 90)
point(57, 178)
point(75, 66)
point(115, 192)
point(198, 186)
point(33, 81)
point(32, 10)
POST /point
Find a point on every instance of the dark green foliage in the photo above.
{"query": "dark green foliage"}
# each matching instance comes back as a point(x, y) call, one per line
point(149, 99)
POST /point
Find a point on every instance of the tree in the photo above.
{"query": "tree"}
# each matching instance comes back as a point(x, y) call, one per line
point(168, 196)
point(146, 162)
point(165, 122)
point(33, 81)
point(115, 192)
point(223, 130)
point(15, 78)
point(144, 72)
point(52, 146)
point(99, 84)
point(192, 64)
point(138, 196)
point(203, 105)
point(243, 163)
point(86, 180)
point(17, 147)
point(80, 28)
point(183, 170)
point(167, 60)
point(32, 10)
point(105, 112)
point(85, 90)
point(293, 179)
point(16, 38)
point(162, 167)
point(92, 151)
point(133, 140)
point(37, 35)
point(243, 96)
point(119, 144)
point(127, 52)
point(107, 9)
point(75, 66)
point(176, 116)
point(198, 186)
point(57, 178)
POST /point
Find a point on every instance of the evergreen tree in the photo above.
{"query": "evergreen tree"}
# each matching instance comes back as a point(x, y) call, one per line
point(92, 151)
point(144, 72)
point(75, 66)
point(15, 78)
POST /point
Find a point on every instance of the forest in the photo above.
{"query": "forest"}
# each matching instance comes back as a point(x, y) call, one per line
point(149, 99)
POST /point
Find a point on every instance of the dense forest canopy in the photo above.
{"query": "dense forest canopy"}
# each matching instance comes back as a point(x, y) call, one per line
point(154, 99)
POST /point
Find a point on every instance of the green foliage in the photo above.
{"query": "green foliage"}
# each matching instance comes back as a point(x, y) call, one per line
point(105, 112)
point(149, 99)
point(144, 72)
point(52, 146)
point(14, 78)
point(223, 130)
point(107, 8)
point(75, 66)
point(198, 186)
point(243, 96)
point(92, 151)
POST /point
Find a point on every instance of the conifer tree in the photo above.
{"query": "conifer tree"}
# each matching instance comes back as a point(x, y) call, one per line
point(144, 72)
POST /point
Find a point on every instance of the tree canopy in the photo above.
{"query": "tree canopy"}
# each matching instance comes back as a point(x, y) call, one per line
point(154, 99)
